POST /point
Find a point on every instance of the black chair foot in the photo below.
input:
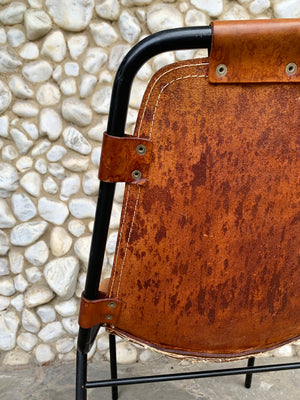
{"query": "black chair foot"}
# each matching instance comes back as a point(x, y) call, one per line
point(81, 370)
point(248, 379)
point(113, 365)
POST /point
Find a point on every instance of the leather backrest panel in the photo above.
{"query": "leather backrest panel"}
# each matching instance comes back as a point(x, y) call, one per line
point(207, 260)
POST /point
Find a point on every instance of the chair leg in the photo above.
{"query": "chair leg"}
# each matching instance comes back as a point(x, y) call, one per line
point(113, 365)
point(81, 374)
point(248, 379)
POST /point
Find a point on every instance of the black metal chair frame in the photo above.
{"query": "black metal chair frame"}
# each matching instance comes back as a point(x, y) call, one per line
point(175, 39)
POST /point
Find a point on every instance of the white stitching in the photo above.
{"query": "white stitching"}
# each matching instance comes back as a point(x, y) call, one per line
point(139, 129)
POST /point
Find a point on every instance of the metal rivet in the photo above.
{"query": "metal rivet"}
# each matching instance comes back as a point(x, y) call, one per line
point(221, 70)
point(136, 174)
point(141, 149)
point(108, 317)
point(112, 304)
point(291, 68)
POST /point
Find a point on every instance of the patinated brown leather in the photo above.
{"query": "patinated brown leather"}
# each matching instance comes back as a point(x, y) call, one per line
point(100, 311)
point(255, 51)
point(208, 254)
point(119, 159)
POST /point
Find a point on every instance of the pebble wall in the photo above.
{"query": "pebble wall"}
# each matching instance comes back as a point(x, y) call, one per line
point(57, 63)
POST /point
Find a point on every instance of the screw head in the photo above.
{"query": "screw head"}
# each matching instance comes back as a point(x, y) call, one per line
point(136, 174)
point(112, 304)
point(291, 69)
point(221, 70)
point(108, 317)
point(141, 149)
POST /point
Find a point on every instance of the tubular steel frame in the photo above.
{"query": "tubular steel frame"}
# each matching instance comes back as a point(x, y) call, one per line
point(175, 39)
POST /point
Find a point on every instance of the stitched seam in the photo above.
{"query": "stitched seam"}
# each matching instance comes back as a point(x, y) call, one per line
point(133, 217)
point(119, 241)
point(138, 135)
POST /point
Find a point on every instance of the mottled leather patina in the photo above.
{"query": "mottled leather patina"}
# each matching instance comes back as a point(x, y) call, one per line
point(208, 255)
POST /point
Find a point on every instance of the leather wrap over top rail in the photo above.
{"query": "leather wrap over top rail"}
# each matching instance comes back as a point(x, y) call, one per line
point(208, 254)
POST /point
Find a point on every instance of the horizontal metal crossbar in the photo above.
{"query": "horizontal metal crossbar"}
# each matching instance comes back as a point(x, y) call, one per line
point(191, 375)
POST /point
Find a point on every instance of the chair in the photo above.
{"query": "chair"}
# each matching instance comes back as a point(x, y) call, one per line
point(207, 258)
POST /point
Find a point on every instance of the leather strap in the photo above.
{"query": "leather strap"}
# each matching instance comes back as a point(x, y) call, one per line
point(255, 51)
point(125, 159)
point(100, 311)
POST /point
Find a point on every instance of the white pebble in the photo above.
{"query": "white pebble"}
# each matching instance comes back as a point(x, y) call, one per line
point(38, 294)
point(37, 71)
point(96, 153)
point(111, 242)
point(35, 3)
point(137, 92)
point(51, 332)
point(77, 44)
point(214, 8)
point(27, 233)
point(15, 37)
point(61, 275)
point(29, 51)
point(4, 122)
point(66, 308)
point(9, 153)
point(13, 14)
point(2, 36)
point(68, 86)
point(46, 313)
point(82, 208)
point(56, 153)
point(76, 227)
point(27, 341)
point(163, 16)
point(71, 325)
point(37, 24)
point(96, 133)
point(74, 140)
point(82, 248)
point(101, 100)
point(4, 303)
point(7, 220)
point(236, 12)
point(71, 69)
point(108, 9)
point(64, 345)
point(48, 94)
point(60, 241)
point(129, 27)
point(74, 16)
point(195, 18)
point(44, 353)
point(90, 182)
point(31, 182)
point(117, 54)
point(69, 186)
point(41, 166)
point(37, 254)
point(16, 261)
point(103, 33)
point(16, 358)
point(31, 129)
point(76, 111)
point(30, 321)
point(75, 163)
point(286, 8)
point(259, 6)
point(9, 322)
point(20, 283)
point(23, 207)
point(9, 180)
point(9, 61)
point(20, 88)
point(52, 210)
point(126, 353)
point(50, 124)
point(7, 287)
point(3, 267)
point(33, 274)
point(50, 186)
point(24, 164)
point(103, 342)
point(4, 243)
point(5, 96)
point(57, 73)
point(95, 58)
point(41, 148)
point(22, 142)
point(87, 85)
point(26, 109)
point(18, 302)
point(54, 46)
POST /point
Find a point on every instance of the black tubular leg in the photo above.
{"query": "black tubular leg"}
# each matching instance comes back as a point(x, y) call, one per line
point(113, 365)
point(81, 370)
point(248, 379)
